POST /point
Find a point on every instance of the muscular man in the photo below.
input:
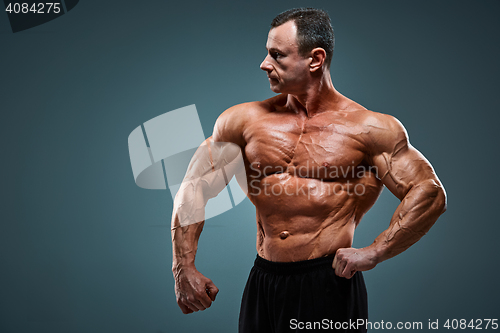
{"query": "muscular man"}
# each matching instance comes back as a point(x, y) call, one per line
point(315, 163)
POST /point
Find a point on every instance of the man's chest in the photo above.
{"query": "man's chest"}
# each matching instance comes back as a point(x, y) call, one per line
point(318, 147)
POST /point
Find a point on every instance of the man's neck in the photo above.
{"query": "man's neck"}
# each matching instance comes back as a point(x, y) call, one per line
point(319, 96)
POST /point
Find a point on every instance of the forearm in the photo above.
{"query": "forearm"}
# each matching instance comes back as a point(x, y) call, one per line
point(184, 243)
point(188, 218)
point(415, 215)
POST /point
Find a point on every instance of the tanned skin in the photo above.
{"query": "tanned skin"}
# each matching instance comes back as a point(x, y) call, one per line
point(298, 142)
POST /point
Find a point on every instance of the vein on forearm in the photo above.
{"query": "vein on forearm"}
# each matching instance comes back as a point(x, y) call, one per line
point(413, 218)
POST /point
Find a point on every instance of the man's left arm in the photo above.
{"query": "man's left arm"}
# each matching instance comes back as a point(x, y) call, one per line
point(411, 178)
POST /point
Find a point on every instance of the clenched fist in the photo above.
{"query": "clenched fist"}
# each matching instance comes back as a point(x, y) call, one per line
point(349, 260)
point(194, 291)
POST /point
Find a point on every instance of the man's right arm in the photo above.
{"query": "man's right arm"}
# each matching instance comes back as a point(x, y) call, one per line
point(208, 173)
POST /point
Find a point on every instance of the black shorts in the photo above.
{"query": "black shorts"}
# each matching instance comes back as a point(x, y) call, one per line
point(304, 296)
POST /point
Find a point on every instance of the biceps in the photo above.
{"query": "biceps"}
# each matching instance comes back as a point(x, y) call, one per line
point(211, 168)
point(403, 169)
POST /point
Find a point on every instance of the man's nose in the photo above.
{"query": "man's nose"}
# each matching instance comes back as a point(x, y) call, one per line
point(265, 65)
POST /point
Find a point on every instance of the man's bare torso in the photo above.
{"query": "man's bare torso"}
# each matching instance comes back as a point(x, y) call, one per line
point(310, 178)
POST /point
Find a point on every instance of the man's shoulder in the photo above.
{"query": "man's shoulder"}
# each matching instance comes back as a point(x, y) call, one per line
point(382, 131)
point(243, 110)
point(231, 124)
point(377, 120)
point(242, 113)
point(255, 107)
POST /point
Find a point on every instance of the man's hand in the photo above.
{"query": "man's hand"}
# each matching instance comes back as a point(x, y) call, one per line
point(349, 260)
point(194, 291)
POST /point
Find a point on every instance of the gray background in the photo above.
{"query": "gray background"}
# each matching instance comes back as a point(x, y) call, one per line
point(83, 249)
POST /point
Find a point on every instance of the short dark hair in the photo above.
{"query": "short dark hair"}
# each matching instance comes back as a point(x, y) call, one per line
point(314, 29)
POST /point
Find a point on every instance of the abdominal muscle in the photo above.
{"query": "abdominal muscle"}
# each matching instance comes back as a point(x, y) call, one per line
point(304, 218)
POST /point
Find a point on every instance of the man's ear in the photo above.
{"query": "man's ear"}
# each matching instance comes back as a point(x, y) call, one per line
point(318, 57)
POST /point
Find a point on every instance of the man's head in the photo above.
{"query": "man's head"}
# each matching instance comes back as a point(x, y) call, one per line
point(314, 29)
point(300, 43)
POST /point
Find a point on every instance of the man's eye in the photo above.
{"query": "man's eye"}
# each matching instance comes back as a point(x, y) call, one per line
point(275, 55)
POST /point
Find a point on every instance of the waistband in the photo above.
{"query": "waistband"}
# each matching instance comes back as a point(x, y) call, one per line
point(292, 267)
